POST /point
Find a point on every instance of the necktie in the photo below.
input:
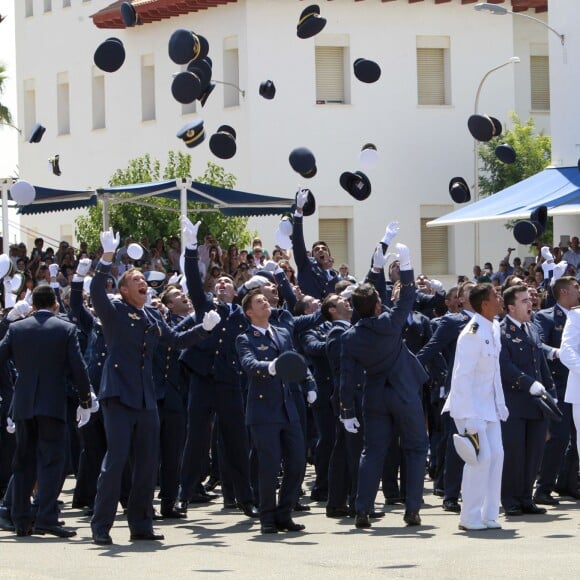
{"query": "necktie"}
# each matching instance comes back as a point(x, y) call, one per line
point(523, 327)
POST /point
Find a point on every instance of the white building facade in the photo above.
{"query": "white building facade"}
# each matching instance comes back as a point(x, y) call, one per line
point(432, 57)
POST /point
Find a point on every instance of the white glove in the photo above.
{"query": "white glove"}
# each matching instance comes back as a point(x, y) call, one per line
point(546, 254)
point(379, 259)
point(503, 413)
point(404, 257)
point(9, 298)
point(28, 296)
point(537, 389)
point(559, 270)
point(351, 425)
point(272, 368)
point(255, 282)
point(21, 310)
point(210, 320)
point(94, 403)
point(437, 285)
point(301, 198)
point(189, 232)
point(83, 416)
point(110, 241)
point(270, 266)
point(83, 267)
point(10, 426)
point(311, 397)
point(348, 291)
point(547, 267)
point(391, 231)
point(473, 426)
point(53, 269)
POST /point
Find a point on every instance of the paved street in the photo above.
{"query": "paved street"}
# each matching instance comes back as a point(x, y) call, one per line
point(214, 543)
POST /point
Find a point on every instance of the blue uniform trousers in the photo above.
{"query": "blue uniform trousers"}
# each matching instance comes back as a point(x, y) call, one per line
point(131, 433)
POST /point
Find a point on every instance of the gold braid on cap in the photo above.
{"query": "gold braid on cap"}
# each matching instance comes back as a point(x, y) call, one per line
point(196, 47)
point(306, 16)
point(192, 136)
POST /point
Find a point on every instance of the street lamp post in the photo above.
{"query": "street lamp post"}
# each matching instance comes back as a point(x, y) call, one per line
point(511, 60)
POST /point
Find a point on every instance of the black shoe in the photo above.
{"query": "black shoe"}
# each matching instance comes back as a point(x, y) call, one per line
point(394, 500)
point(230, 504)
point(568, 493)
point(146, 536)
point(102, 539)
point(268, 529)
point(376, 514)
point(318, 495)
point(22, 531)
point(412, 518)
point(300, 507)
point(181, 506)
point(336, 512)
point(451, 505)
point(289, 526)
point(202, 497)
point(172, 514)
point(77, 505)
point(211, 484)
point(514, 510)
point(533, 509)
point(362, 520)
point(6, 524)
point(439, 492)
point(545, 499)
point(58, 531)
point(249, 509)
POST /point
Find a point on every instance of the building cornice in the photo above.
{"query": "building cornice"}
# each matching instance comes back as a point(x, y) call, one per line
point(155, 10)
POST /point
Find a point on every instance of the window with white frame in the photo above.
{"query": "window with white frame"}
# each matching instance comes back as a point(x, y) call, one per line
point(231, 72)
point(434, 249)
point(29, 8)
point(540, 82)
point(147, 88)
point(29, 105)
point(98, 90)
point(63, 103)
point(66, 3)
point(433, 74)
point(47, 6)
point(330, 75)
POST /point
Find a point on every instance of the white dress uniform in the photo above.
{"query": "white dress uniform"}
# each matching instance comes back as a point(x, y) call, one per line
point(570, 356)
point(476, 394)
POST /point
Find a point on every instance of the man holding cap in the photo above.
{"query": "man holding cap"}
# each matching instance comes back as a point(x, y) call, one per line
point(271, 415)
point(476, 403)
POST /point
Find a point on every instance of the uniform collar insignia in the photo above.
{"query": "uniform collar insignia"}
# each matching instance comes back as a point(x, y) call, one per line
point(512, 328)
point(559, 312)
point(257, 333)
point(134, 316)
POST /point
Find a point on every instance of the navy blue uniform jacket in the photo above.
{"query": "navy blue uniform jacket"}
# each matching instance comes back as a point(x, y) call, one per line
point(132, 335)
point(376, 344)
point(45, 350)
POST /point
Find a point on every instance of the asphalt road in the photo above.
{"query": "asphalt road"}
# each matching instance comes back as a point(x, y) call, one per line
point(214, 543)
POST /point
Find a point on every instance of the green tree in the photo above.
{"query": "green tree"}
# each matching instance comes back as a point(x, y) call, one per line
point(5, 116)
point(158, 218)
point(533, 153)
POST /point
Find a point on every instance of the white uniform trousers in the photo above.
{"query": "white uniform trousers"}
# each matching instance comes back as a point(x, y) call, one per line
point(481, 483)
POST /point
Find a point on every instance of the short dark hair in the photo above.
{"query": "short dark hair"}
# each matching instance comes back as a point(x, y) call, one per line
point(364, 300)
point(560, 284)
point(509, 294)
point(43, 297)
point(329, 302)
point(342, 285)
point(300, 307)
point(248, 299)
point(320, 243)
point(479, 293)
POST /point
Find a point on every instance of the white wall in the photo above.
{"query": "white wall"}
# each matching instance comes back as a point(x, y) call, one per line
point(421, 148)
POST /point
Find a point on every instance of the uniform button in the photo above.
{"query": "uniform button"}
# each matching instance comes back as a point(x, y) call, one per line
point(217, 351)
point(103, 354)
point(260, 396)
point(265, 358)
point(223, 329)
point(99, 364)
point(116, 366)
point(132, 324)
point(168, 349)
point(165, 376)
point(220, 340)
point(168, 357)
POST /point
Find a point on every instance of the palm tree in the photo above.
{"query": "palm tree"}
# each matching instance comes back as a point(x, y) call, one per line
point(5, 116)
